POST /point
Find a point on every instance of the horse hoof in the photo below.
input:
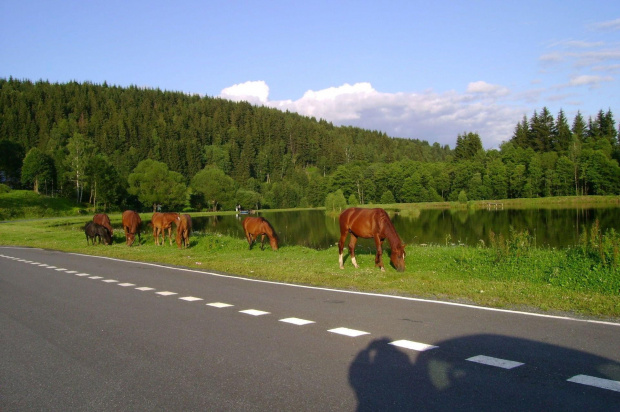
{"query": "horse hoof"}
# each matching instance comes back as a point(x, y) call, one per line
point(382, 269)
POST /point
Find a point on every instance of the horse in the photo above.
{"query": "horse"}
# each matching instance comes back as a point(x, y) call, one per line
point(131, 225)
point(184, 227)
point(103, 220)
point(255, 226)
point(94, 231)
point(370, 223)
point(161, 222)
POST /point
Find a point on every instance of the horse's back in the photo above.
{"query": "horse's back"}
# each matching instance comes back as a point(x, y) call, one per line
point(362, 222)
point(257, 225)
point(103, 220)
point(250, 224)
point(131, 219)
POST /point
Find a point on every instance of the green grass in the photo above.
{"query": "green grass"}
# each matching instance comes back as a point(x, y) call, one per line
point(512, 274)
point(25, 204)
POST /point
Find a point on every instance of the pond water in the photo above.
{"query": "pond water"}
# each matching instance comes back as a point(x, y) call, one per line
point(552, 227)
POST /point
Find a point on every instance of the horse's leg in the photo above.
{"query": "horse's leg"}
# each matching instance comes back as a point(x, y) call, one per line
point(248, 237)
point(379, 255)
point(170, 234)
point(155, 235)
point(343, 236)
point(352, 243)
point(262, 242)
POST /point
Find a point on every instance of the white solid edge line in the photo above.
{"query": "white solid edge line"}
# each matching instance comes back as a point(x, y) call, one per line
point(464, 305)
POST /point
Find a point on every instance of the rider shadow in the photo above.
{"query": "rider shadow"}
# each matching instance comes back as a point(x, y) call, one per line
point(385, 378)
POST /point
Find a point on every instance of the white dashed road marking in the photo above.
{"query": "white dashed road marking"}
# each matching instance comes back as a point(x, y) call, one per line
point(143, 288)
point(61, 270)
point(349, 332)
point(407, 344)
point(126, 284)
point(166, 293)
point(110, 281)
point(254, 312)
point(598, 382)
point(96, 277)
point(500, 363)
point(219, 305)
point(297, 321)
point(190, 298)
point(82, 274)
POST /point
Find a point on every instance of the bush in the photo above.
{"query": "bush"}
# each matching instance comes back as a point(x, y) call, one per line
point(4, 188)
point(335, 201)
point(462, 197)
point(387, 198)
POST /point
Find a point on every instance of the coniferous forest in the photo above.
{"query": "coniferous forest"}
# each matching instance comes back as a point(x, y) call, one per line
point(118, 148)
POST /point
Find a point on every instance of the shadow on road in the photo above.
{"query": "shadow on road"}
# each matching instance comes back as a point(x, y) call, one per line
point(385, 378)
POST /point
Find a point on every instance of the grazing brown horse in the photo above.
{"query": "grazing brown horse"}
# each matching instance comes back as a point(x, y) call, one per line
point(184, 227)
point(255, 226)
point(370, 223)
point(131, 224)
point(161, 222)
point(103, 220)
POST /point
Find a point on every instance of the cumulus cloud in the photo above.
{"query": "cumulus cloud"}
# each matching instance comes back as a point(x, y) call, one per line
point(430, 116)
point(255, 92)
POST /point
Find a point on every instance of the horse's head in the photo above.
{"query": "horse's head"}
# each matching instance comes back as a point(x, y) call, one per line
point(131, 237)
point(397, 256)
point(273, 241)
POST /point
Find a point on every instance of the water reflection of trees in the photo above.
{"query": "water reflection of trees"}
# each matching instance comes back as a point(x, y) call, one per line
point(316, 229)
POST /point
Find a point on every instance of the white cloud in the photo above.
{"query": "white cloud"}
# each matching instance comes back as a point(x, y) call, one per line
point(430, 116)
point(482, 87)
point(608, 25)
point(589, 80)
point(255, 92)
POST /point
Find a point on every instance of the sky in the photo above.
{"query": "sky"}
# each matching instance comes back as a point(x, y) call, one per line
point(412, 69)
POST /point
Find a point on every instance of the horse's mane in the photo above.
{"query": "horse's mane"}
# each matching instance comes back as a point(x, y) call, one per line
point(273, 231)
point(390, 231)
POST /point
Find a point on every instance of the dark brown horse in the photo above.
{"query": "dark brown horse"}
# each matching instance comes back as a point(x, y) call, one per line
point(184, 227)
point(161, 222)
point(255, 226)
point(370, 223)
point(103, 220)
point(131, 224)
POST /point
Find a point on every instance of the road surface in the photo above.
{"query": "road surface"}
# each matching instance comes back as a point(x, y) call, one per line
point(89, 333)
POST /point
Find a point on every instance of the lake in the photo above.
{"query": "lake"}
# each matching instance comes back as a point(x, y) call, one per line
point(552, 227)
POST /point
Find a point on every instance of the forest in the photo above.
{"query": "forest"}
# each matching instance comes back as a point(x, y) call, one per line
point(118, 148)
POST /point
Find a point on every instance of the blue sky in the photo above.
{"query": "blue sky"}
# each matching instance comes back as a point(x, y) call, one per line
point(414, 69)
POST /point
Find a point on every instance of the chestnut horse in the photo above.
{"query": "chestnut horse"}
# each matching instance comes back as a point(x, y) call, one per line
point(255, 226)
point(370, 223)
point(161, 222)
point(131, 226)
point(184, 227)
point(103, 220)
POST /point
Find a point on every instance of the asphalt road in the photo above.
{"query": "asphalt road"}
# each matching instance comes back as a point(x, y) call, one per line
point(87, 333)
